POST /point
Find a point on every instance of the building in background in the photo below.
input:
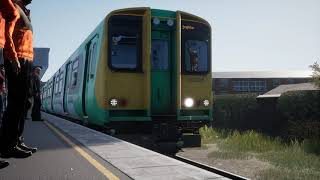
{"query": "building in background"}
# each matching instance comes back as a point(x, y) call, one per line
point(278, 91)
point(258, 82)
point(41, 58)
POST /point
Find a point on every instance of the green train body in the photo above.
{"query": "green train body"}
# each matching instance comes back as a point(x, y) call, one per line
point(138, 65)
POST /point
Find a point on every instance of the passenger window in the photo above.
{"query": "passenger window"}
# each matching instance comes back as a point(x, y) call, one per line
point(56, 85)
point(60, 82)
point(125, 42)
point(74, 72)
point(93, 58)
point(74, 78)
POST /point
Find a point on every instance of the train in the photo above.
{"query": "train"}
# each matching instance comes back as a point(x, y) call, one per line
point(138, 66)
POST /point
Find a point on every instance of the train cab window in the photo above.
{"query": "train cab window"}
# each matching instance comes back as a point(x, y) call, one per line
point(196, 56)
point(195, 46)
point(125, 43)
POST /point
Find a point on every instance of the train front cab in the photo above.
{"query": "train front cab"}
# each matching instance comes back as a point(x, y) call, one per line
point(159, 68)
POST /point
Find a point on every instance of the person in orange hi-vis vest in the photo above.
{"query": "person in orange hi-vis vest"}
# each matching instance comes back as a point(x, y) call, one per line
point(8, 17)
point(18, 59)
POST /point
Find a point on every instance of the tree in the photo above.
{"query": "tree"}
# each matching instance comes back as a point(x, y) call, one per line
point(316, 73)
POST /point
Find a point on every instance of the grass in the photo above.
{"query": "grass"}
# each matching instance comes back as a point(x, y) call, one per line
point(294, 160)
point(288, 174)
point(249, 141)
point(293, 157)
point(228, 155)
point(208, 135)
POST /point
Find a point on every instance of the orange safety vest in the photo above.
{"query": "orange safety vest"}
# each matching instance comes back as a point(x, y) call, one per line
point(8, 18)
point(22, 34)
point(2, 26)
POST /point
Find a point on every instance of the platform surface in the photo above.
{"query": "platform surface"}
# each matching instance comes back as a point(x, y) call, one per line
point(56, 159)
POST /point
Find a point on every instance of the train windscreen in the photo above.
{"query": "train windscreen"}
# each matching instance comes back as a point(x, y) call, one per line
point(125, 42)
point(195, 44)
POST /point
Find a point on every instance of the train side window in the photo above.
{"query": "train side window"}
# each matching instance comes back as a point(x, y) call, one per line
point(60, 82)
point(93, 58)
point(125, 43)
point(56, 85)
point(74, 73)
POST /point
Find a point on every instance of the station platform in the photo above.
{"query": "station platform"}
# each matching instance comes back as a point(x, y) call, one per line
point(70, 151)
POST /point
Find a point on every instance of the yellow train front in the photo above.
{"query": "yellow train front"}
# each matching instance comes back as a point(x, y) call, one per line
point(139, 66)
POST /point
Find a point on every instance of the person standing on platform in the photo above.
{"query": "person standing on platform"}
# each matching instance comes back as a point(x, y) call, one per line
point(35, 79)
point(8, 16)
point(18, 60)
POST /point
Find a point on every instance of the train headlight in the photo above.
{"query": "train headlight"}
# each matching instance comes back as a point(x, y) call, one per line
point(113, 102)
point(156, 21)
point(206, 102)
point(188, 102)
point(170, 22)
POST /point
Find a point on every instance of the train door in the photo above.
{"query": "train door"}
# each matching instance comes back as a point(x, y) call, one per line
point(66, 88)
point(161, 72)
point(89, 73)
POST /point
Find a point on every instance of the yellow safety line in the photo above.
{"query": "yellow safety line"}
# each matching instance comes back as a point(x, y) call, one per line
point(84, 154)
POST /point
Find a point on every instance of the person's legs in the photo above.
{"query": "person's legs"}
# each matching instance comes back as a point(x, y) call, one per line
point(17, 94)
point(3, 164)
point(36, 114)
point(26, 85)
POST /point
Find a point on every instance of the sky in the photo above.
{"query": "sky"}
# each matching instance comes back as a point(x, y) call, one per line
point(248, 35)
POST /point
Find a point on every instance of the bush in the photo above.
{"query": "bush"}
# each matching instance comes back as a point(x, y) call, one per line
point(296, 115)
point(234, 111)
point(301, 111)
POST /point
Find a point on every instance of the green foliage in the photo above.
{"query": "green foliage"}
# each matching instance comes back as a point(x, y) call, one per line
point(293, 160)
point(288, 174)
point(296, 115)
point(250, 141)
point(208, 135)
point(234, 111)
point(312, 146)
point(316, 73)
point(293, 156)
point(301, 111)
point(300, 105)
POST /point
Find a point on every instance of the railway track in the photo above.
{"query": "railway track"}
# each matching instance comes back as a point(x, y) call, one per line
point(209, 168)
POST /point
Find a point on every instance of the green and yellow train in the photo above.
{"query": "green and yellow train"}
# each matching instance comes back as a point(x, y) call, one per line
point(139, 65)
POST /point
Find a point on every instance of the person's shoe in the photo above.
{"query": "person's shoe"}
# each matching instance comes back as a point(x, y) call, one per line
point(16, 152)
point(3, 164)
point(26, 148)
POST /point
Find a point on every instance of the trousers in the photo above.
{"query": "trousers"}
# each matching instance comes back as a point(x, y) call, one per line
point(13, 118)
point(36, 114)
